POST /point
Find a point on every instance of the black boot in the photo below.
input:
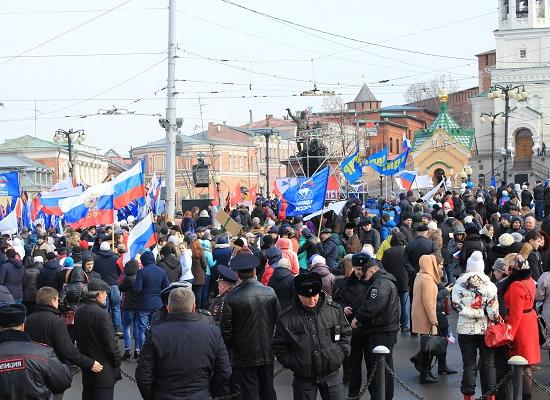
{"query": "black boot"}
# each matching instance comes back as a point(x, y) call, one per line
point(126, 355)
point(425, 372)
point(442, 368)
point(416, 360)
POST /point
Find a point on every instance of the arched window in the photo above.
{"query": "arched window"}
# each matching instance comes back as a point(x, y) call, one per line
point(391, 145)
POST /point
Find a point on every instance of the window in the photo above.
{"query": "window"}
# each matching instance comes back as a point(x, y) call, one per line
point(540, 8)
point(522, 53)
point(505, 10)
point(397, 148)
point(391, 145)
point(522, 8)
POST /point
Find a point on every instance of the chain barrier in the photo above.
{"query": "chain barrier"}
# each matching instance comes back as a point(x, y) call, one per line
point(128, 376)
point(537, 382)
point(498, 386)
point(400, 382)
point(366, 387)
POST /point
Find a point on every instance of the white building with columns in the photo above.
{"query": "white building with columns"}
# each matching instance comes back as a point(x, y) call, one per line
point(522, 59)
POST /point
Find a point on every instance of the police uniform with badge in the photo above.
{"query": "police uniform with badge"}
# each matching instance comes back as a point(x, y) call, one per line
point(229, 277)
point(312, 339)
point(28, 370)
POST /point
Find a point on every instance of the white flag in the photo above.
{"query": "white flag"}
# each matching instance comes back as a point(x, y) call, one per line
point(428, 196)
point(8, 225)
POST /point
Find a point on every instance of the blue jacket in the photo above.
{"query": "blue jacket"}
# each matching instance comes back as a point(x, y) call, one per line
point(386, 230)
point(48, 273)
point(150, 280)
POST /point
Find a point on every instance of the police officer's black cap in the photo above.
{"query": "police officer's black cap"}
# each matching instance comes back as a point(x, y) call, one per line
point(360, 259)
point(12, 315)
point(308, 285)
point(227, 274)
point(244, 262)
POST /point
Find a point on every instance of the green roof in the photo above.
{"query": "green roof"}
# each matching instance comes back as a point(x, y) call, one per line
point(27, 142)
point(464, 137)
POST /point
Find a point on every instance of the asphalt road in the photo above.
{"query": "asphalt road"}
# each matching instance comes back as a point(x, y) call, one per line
point(448, 387)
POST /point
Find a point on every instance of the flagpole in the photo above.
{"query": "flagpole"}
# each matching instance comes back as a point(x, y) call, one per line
point(114, 211)
point(321, 221)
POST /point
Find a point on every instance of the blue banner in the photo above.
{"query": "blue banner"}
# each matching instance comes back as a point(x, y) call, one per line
point(377, 159)
point(392, 167)
point(9, 184)
point(351, 167)
point(309, 196)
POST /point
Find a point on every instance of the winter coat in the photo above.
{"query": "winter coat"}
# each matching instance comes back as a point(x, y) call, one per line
point(416, 249)
point(126, 287)
point(285, 245)
point(198, 268)
point(446, 229)
point(371, 237)
point(386, 230)
point(282, 282)
point(222, 254)
point(186, 262)
point(150, 280)
point(327, 277)
point(171, 265)
point(424, 304)
point(30, 370)
point(204, 222)
point(5, 296)
point(538, 192)
point(74, 293)
point(348, 292)
point(248, 322)
point(380, 308)
point(308, 247)
point(46, 326)
point(258, 212)
point(499, 251)
point(11, 276)
point(105, 264)
point(520, 299)
point(96, 339)
point(393, 262)
point(302, 257)
point(329, 250)
point(542, 294)
point(474, 297)
point(48, 273)
point(30, 283)
point(526, 198)
point(306, 354)
point(471, 243)
point(188, 224)
point(183, 336)
point(245, 219)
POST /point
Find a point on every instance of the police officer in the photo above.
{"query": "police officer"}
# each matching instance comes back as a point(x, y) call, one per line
point(29, 370)
point(312, 339)
point(248, 321)
point(378, 319)
point(227, 280)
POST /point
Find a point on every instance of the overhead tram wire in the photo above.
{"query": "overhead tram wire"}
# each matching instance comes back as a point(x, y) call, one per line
point(296, 24)
point(87, 55)
point(65, 32)
point(78, 11)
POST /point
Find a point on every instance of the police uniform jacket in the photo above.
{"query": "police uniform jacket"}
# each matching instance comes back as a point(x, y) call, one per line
point(216, 308)
point(96, 339)
point(205, 372)
point(380, 307)
point(312, 342)
point(29, 370)
point(248, 322)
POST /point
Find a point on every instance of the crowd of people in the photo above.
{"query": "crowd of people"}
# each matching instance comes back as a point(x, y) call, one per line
point(205, 314)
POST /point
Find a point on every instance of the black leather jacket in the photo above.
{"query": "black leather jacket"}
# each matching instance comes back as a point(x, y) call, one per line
point(29, 370)
point(248, 322)
point(312, 342)
point(74, 293)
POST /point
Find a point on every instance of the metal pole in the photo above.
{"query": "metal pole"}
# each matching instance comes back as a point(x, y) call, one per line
point(171, 126)
point(506, 111)
point(267, 164)
point(380, 353)
point(381, 190)
point(517, 363)
point(70, 145)
point(492, 147)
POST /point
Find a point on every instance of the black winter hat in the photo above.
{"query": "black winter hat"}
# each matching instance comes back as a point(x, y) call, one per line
point(308, 285)
point(12, 315)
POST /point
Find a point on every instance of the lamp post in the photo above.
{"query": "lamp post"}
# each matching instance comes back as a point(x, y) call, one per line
point(494, 119)
point(504, 92)
point(68, 137)
point(268, 136)
point(468, 171)
point(463, 176)
point(380, 177)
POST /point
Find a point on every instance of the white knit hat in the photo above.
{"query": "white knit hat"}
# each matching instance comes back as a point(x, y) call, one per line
point(432, 225)
point(468, 219)
point(475, 262)
point(317, 259)
point(506, 239)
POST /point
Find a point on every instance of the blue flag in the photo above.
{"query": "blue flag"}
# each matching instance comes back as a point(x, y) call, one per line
point(309, 196)
point(378, 159)
point(352, 168)
point(392, 167)
point(9, 184)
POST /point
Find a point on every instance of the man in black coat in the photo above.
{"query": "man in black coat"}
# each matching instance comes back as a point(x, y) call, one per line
point(472, 242)
point(49, 271)
point(28, 370)
point(46, 326)
point(378, 320)
point(248, 322)
point(11, 275)
point(538, 195)
point(96, 339)
point(105, 263)
point(302, 345)
point(369, 235)
point(328, 248)
point(282, 282)
point(160, 373)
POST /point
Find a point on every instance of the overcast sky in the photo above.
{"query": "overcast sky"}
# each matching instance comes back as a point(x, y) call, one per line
point(209, 31)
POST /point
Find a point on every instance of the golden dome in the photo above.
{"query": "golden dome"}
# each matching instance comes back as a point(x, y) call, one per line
point(443, 96)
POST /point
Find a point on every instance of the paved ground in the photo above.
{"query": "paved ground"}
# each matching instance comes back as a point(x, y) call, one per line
point(448, 388)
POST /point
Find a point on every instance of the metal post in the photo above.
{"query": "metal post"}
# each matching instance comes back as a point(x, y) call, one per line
point(70, 146)
point(267, 163)
point(171, 126)
point(380, 353)
point(506, 112)
point(492, 147)
point(381, 177)
point(517, 363)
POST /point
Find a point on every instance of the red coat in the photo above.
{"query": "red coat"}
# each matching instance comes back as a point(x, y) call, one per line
point(519, 297)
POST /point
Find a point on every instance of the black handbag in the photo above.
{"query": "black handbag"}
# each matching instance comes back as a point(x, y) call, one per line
point(543, 331)
point(433, 345)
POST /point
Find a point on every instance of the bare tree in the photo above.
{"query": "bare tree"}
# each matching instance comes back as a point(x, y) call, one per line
point(333, 105)
point(421, 91)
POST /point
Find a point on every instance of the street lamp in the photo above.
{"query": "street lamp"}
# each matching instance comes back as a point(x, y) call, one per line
point(268, 136)
point(493, 119)
point(68, 137)
point(261, 184)
point(504, 92)
point(468, 171)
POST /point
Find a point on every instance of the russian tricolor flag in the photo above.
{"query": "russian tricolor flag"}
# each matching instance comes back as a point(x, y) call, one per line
point(142, 236)
point(93, 207)
point(407, 179)
point(129, 186)
point(50, 200)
